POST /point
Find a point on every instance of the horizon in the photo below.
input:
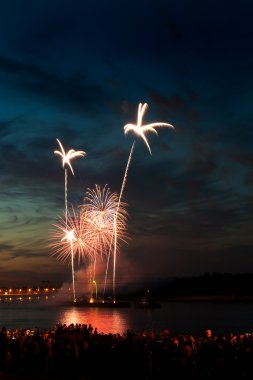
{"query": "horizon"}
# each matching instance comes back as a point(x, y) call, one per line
point(135, 285)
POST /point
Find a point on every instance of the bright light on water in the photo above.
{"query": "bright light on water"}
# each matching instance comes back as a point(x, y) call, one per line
point(106, 321)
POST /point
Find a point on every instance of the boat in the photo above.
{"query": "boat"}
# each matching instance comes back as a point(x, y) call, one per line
point(98, 303)
point(103, 304)
point(147, 302)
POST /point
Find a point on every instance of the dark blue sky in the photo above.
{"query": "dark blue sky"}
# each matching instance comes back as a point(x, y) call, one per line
point(77, 70)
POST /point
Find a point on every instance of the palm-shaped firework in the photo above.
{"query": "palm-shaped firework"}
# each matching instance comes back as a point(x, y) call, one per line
point(66, 161)
point(139, 130)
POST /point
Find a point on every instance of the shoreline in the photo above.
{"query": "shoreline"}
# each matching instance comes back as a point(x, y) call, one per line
point(127, 301)
point(207, 299)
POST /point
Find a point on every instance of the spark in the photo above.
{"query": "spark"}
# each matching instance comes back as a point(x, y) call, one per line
point(69, 236)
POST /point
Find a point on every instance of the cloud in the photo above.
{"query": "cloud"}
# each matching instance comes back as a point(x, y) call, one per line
point(67, 93)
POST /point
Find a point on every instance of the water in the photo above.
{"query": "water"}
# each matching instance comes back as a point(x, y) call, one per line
point(178, 317)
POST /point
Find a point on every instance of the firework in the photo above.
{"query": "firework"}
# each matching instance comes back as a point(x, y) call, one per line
point(89, 231)
point(60, 247)
point(65, 247)
point(139, 130)
point(99, 211)
point(68, 242)
point(66, 161)
point(70, 238)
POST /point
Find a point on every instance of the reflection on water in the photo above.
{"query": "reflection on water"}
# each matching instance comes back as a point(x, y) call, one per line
point(178, 317)
point(105, 320)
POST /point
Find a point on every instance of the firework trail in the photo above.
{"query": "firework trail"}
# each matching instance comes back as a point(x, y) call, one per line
point(70, 237)
point(114, 236)
point(139, 130)
point(114, 256)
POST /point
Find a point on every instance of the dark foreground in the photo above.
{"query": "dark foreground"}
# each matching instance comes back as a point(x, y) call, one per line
point(81, 352)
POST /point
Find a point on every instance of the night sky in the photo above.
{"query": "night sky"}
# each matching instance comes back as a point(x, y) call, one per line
point(77, 70)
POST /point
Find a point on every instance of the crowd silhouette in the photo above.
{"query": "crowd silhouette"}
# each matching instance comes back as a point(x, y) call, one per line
point(79, 351)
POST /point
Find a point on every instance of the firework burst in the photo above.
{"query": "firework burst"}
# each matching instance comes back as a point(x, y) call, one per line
point(68, 242)
point(99, 211)
point(59, 238)
point(89, 231)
